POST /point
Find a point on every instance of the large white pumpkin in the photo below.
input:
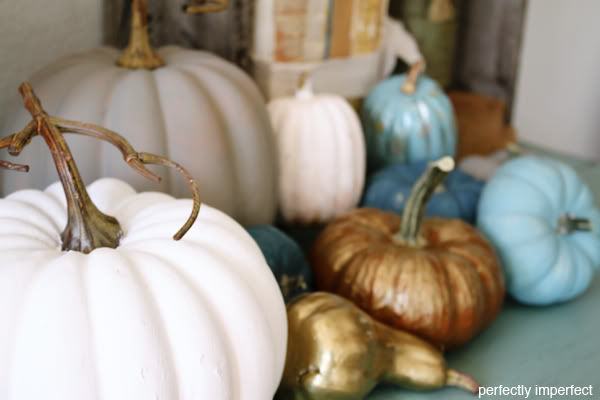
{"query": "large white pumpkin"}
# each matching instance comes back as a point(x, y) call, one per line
point(201, 318)
point(198, 109)
point(321, 155)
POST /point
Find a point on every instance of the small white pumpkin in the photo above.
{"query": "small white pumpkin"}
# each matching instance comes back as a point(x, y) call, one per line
point(321, 155)
point(197, 109)
point(154, 318)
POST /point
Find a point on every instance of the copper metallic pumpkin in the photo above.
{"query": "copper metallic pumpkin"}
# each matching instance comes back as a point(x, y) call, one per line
point(436, 277)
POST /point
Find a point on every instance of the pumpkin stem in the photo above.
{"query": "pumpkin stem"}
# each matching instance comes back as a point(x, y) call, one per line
point(139, 53)
point(206, 6)
point(414, 210)
point(305, 87)
point(568, 224)
point(87, 228)
point(410, 84)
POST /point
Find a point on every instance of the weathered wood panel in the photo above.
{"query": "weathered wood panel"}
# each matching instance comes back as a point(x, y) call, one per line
point(226, 33)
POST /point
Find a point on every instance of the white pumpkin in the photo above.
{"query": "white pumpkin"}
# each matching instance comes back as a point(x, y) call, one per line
point(321, 155)
point(201, 318)
point(198, 109)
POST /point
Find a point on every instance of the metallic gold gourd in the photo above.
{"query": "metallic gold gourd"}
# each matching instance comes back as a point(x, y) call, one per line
point(337, 352)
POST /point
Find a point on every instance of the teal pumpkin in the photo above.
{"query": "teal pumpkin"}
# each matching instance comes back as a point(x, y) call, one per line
point(406, 126)
point(285, 258)
point(457, 197)
point(542, 219)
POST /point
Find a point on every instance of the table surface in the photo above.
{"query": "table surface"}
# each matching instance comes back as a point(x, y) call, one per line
point(553, 346)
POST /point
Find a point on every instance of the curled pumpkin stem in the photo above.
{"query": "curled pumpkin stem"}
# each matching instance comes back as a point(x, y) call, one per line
point(148, 158)
point(87, 227)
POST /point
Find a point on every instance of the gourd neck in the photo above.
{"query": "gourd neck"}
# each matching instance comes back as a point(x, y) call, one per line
point(139, 53)
point(409, 86)
point(87, 228)
point(395, 366)
point(568, 224)
point(414, 210)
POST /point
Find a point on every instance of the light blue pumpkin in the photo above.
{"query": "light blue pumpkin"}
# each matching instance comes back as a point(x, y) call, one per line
point(407, 128)
point(542, 219)
point(285, 258)
point(456, 197)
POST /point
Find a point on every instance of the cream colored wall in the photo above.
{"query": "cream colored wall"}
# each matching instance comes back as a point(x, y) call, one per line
point(557, 101)
point(34, 33)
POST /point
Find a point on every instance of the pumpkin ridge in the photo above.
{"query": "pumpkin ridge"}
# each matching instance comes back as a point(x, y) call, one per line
point(92, 345)
point(583, 250)
point(533, 184)
point(28, 210)
point(34, 275)
point(244, 188)
point(488, 282)
point(211, 305)
point(547, 266)
point(18, 223)
point(568, 289)
point(335, 136)
point(153, 82)
point(357, 178)
point(146, 297)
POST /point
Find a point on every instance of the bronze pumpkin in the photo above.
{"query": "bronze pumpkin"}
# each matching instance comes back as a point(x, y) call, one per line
point(438, 278)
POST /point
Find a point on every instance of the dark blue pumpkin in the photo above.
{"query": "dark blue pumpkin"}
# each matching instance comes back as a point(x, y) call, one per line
point(285, 258)
point(457, 197)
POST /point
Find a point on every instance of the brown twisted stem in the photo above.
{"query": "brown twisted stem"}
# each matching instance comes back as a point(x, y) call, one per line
point(87, 228)
point(206, 6)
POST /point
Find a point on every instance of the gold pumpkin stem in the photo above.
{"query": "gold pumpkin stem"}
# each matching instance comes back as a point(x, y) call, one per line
point(87, 228)
point(410, 84)
point(139, 53)
point(414, 211)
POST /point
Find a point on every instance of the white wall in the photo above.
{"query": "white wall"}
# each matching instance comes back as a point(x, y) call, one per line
point(36, 32)
point(557, 101)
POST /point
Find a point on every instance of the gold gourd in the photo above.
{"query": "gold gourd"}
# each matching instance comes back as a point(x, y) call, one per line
point(337, 352)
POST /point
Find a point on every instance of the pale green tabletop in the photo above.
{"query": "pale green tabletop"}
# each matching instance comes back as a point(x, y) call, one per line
point(555, 346)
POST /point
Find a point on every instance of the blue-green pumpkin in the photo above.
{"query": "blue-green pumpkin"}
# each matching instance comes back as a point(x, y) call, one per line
point(407, 118)
point(285, 258)
point(457, 197)
point(544, 223)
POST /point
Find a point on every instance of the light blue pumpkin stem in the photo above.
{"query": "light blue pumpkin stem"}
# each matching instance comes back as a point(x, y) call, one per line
point(410, 84)
point(568, 224)
point(414, 210)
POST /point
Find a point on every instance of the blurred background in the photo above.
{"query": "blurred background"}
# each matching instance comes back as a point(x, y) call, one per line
point(536, 61)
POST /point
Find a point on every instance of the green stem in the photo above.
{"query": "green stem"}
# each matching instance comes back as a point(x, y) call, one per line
point(414, 210)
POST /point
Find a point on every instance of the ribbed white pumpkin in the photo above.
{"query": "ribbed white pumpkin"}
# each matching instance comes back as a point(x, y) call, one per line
point(321, 155)
point(201, 318)
point(200, 110)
